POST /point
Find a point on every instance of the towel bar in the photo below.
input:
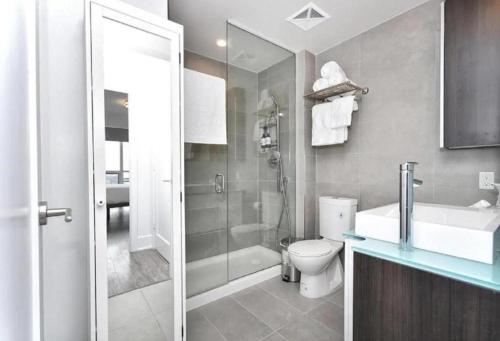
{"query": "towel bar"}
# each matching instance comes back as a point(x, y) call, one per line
point(337, 90)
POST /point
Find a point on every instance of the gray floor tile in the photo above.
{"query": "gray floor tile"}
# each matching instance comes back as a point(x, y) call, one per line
point(166, 321)
point(127, 308)
point(200, 329)
point(146, 329)
point(290, 293)
point(338, 298)
point(159, 296)
point(307, 329)
point(275, 337)
point(331, 315)
point(267, 308)
point(233, 321)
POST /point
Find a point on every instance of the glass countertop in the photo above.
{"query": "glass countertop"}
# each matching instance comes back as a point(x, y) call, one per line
point(476, 273)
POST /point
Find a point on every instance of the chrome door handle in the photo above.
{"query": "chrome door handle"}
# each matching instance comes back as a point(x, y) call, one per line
point(45, 212)
point(219, 183)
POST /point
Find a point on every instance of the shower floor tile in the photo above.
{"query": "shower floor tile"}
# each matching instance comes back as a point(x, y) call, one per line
point(212, 272)
point(269, 312)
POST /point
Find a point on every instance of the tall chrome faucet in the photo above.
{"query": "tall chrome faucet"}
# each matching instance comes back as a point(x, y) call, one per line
point(406, 184)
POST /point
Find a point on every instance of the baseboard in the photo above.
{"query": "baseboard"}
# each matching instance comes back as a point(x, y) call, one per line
point(143, 242)
point(232, 287)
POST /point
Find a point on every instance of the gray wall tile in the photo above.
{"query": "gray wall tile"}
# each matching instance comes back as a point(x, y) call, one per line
point(398, 120)
point(279, 79)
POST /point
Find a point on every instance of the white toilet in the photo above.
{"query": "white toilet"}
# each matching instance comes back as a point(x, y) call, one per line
point(318, 260)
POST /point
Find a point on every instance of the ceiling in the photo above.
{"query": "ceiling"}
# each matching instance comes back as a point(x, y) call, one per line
point(248, 52)
point(205, 22)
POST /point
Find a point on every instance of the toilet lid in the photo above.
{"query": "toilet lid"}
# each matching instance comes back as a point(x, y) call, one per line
point(310, 248)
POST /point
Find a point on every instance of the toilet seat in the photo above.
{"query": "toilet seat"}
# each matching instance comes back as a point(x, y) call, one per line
point(314, 248)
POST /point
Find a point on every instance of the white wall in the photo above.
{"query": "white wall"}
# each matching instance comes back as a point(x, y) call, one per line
point(64, 167)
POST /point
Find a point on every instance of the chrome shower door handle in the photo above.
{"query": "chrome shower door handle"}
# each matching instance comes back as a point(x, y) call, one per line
point(219, 183)
point(45, 212)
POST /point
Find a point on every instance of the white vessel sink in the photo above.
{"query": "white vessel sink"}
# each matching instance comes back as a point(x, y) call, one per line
point(453, 230)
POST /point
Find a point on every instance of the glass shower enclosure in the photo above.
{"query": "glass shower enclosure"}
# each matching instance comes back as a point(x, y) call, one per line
point(240, 197)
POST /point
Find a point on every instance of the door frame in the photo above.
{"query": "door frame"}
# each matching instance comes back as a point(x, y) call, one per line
point(95, 12)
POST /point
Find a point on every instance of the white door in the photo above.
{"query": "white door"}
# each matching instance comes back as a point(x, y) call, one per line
point(162, 164)
point(155, 142)
point(163, 230)
point(18, 173)
point(19, 230)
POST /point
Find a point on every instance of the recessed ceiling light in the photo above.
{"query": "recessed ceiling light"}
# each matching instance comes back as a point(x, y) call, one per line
point(221, 43)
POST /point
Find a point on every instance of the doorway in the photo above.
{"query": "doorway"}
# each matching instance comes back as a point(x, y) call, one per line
point(136, 153)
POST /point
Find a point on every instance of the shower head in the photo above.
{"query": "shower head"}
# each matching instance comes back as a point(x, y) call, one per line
point(274, 159)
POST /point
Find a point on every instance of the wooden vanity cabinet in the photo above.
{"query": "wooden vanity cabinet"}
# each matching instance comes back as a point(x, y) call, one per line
point(398, 303)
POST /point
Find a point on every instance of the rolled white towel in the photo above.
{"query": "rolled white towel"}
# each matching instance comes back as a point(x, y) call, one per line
point(337, 79)
point(332, 70)
point(321, 84)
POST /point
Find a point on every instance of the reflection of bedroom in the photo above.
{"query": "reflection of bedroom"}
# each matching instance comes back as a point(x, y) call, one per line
point(133, 262)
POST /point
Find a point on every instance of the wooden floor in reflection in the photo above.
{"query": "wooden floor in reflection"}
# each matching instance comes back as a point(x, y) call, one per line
point(127, 270)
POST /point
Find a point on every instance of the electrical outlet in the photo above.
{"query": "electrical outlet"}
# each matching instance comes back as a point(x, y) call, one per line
point(486, 180)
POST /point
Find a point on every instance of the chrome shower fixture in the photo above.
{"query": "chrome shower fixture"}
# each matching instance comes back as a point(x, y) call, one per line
point(274, 159)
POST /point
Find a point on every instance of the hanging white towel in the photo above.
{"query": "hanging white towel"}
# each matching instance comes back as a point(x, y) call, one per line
point(330, 121)
point(204, 108)
point(257, 130)
point(322, 136)
point(341, 111)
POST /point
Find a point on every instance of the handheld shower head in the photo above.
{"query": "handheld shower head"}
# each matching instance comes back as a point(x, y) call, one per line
point(274, 158)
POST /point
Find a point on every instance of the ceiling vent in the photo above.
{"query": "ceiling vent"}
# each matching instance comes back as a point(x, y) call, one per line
point(243, 58)
point(308, 16)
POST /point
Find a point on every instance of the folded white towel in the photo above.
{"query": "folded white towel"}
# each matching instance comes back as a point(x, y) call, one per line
point(323, 83)
point(265, 100)
point(332, 70)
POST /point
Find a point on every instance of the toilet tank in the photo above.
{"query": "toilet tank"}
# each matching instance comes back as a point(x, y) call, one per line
point(336, 215)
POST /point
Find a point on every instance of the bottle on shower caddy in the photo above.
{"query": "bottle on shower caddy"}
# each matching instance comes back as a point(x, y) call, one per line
point(268, 139)
point(263, 139)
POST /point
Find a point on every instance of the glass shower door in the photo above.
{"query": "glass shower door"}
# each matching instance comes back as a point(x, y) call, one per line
point(240, 196)
point(261, 151)
point(206, 217)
